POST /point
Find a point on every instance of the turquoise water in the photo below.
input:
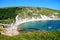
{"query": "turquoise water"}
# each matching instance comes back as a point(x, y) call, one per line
point(48, 25)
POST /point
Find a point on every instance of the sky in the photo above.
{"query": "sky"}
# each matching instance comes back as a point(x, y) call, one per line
point(53, 4)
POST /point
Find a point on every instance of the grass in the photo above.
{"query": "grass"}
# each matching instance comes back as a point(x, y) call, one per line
point(36, 35)
point(7, 21)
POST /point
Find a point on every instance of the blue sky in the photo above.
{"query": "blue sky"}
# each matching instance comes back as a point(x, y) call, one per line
point(53, 4)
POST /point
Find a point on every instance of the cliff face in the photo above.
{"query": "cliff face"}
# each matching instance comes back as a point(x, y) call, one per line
point(42, 13)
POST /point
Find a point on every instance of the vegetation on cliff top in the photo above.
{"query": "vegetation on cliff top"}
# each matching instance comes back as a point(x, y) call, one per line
point(10, 13)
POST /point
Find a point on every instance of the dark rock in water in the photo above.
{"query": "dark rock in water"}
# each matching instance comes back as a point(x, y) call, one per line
point(28, 29)
point(33, 28)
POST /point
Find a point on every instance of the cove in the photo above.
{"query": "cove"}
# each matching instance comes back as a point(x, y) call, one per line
point(47, 25)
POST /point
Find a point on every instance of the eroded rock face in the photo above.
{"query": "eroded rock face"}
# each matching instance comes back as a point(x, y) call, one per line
point(10, 31)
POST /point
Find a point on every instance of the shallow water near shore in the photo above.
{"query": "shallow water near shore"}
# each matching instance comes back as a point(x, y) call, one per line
point(47, 25)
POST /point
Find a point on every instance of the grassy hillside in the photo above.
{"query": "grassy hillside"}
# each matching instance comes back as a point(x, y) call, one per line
point(37, 35)
point(10, 13)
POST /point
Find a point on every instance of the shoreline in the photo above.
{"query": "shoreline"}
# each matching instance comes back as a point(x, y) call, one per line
point(43, 17)
point(30, 20)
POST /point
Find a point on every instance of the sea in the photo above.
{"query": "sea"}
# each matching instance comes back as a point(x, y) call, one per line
point(47, 25)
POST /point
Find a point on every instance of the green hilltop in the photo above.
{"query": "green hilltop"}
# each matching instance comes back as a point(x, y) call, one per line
point(8, 14)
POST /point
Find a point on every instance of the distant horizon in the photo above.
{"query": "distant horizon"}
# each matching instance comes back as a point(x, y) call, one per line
point(52, 4)
point(28, 6)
